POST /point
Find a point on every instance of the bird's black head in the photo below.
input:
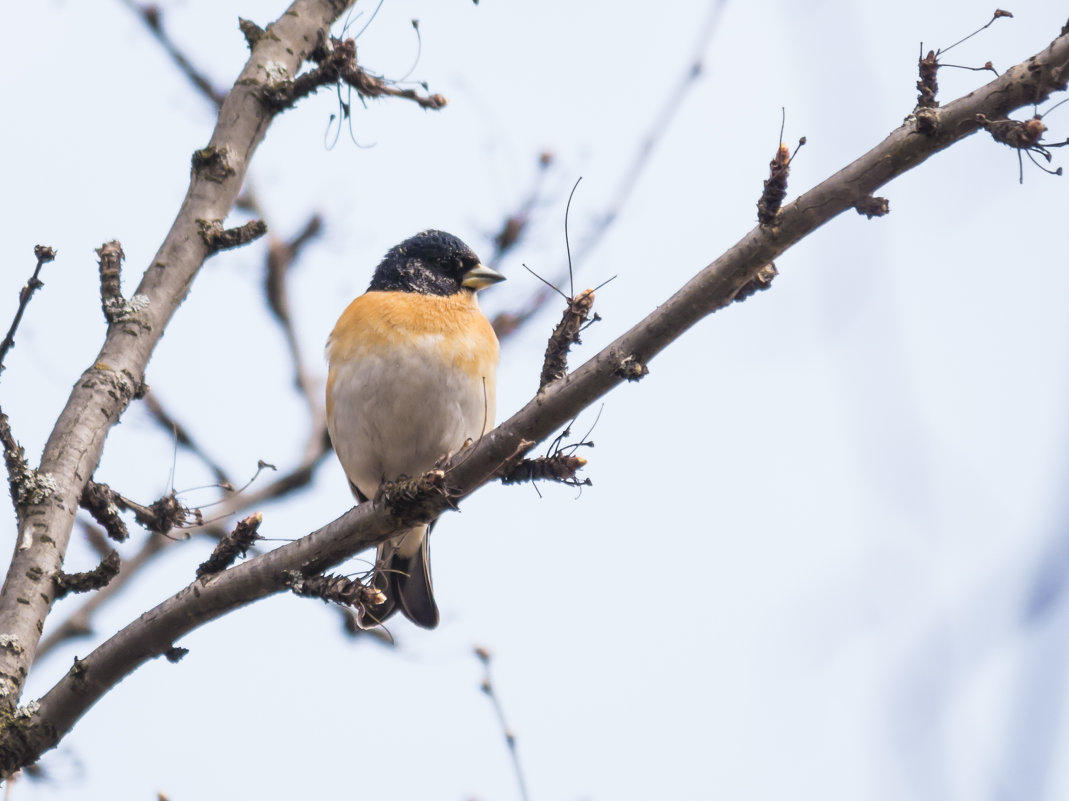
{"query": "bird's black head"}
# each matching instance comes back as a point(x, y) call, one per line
point(432, 263)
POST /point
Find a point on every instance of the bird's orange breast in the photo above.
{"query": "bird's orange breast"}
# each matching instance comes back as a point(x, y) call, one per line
point(381, 322)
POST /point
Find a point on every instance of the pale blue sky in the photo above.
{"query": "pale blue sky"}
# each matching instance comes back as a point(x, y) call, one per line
point(824, 552)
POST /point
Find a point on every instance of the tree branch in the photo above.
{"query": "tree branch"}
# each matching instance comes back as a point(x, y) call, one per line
point(44, 255)
point(154, 633)
point(104, 391)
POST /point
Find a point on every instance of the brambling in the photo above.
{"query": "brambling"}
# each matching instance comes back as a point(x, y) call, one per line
point(411, 379)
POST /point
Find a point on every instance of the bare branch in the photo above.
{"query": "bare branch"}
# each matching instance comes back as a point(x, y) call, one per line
point(111, 299)
point(44, 255)
point(153, 18)
point(232, 546)
point(872, 206)
point(337, 62)
point(99, 500)
point(560, 467)
point(80, 622)
point(566, 334)
point(182, 436)
point(340, 590)
point(94, 579)
point(218, 238)
point(928, 66)
point(516, 223)
point(510, 738)
point(280, 258)
point(159, 517)
point(103, 392)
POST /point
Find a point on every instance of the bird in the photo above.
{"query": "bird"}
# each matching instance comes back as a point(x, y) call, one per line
point(411, 376)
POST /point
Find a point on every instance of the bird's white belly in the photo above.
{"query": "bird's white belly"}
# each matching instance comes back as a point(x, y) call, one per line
point(398, 411)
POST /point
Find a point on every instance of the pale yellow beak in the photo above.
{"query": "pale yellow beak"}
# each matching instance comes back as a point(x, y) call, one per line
point(480, 276)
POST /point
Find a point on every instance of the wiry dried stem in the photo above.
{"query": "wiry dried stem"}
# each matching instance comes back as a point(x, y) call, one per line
point(44, 255)
point(337, 63)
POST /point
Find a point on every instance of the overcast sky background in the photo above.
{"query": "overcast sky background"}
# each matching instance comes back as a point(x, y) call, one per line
point(826, 549)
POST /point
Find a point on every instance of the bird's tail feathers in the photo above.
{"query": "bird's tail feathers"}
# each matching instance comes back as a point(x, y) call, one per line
point(405, 580)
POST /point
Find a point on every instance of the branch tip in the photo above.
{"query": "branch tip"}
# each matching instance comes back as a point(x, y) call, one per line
point(560, 467)
point(630, 368)
point(251, 31)
point(337, 589)
point(336, 60)
point(872, 206)
point(100, 576)
point(175, 653)
point(44, 255)
point(236, 544)
point(99, 501)
point(217, 238)
point(111, 300)
point(775, 187)
point(566, 334)
point(160, 517)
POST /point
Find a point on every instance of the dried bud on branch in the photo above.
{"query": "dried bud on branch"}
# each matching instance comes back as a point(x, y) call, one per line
point(340, 590)
point(872, 206)
point(775, 188)
point(566, 334)
point(111, 299)
point(557, 467)
point(415, 500)
point(104, 504)
point(100, 501)
point(759, 283)
point(235, 544)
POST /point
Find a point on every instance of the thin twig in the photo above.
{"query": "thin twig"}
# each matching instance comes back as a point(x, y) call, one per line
point(510, 738)
point(153, 18)
point(44, 255)
point(230, 547)
point(660, 125)
point(337, 62)
point(95, 579)
point(515, 224)
point(566, 334)
point(80, 622)
point(182, 436)
point(218, 238)
point(281, 257)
